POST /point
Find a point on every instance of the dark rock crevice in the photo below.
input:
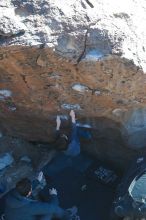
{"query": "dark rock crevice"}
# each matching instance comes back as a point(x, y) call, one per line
point(24, 80)
point(85, 45)
point(89, 3)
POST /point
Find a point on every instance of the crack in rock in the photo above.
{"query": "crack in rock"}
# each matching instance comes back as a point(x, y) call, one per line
point(85, 45)
point(24, 80)
point(89, 3)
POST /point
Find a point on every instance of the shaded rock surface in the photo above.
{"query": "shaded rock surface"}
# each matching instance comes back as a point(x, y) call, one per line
point(20, 159)
point(5, 160)
point(83, 55)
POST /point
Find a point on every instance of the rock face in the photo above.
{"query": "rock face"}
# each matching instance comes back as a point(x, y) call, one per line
point(83, 55)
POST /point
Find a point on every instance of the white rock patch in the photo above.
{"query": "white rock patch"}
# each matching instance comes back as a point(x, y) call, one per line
point(12, 108)
point(71, 106)
point(79, 87)
point(94, 55)
point(4, 93)
point(97, 92)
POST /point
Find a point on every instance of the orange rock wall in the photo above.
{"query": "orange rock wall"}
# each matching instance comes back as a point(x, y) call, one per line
point(103, 93)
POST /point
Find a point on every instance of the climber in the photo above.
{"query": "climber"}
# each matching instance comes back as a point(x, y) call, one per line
point(71, 143)
point(70, 146)
point(19, 205)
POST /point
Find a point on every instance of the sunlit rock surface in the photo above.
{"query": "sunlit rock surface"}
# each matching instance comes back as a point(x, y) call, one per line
point(83, 55)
